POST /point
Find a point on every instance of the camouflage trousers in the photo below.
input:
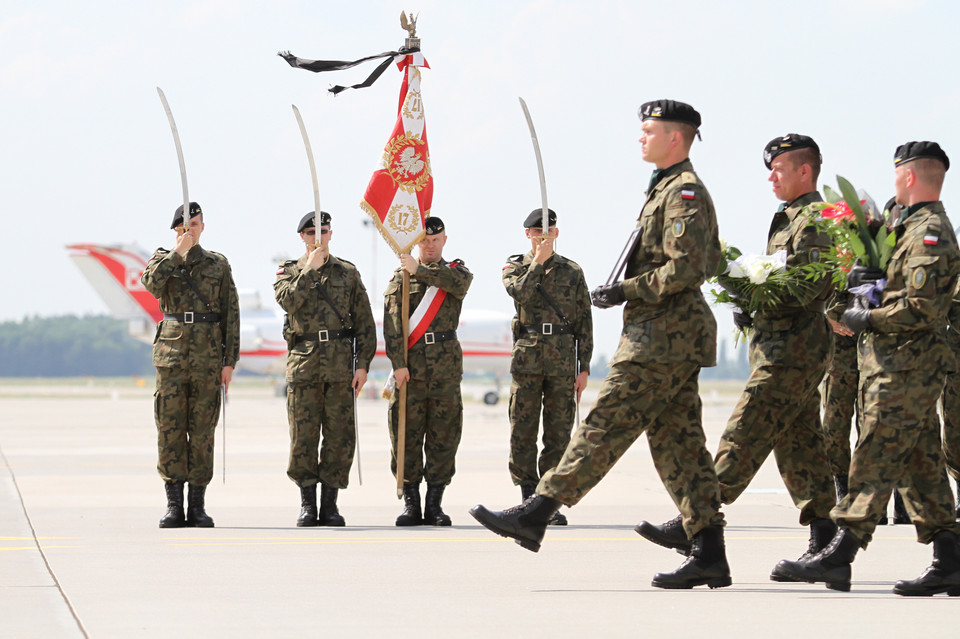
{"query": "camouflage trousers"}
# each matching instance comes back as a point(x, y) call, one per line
point(779, 410)
point(950, 410)
point(321, 411)
point(839, 403)
point(528, 393)
point(663, 401)
point(899, 445)
point(434, 422)
point(186, 408)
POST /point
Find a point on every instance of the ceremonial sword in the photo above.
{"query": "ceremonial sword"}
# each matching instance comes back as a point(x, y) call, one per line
point(545, 229)
point(316, 221)
point(543, 181)
point(186, 227)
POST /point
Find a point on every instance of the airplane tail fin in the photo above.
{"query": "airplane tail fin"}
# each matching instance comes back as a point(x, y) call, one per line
point(114, 272)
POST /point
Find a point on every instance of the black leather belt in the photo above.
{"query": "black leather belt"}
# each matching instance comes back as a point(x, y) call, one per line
point(437, 336)
point(325, 336)
point(191, 318)
point(548, 329)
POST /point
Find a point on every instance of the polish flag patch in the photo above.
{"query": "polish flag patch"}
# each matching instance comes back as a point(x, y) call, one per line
point(687, 194)
point(930, 239)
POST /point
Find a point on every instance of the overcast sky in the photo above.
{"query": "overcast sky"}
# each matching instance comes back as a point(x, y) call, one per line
point(87, 154)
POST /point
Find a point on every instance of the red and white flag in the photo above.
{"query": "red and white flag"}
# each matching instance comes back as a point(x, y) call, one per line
point(400, 192)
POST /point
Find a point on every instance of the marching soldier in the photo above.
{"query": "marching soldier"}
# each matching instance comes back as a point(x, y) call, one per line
point(433, 371)
point(790, 348)
point(195, 351)
point(331, 338)
point(904, 356)
point(553, 343)
point(653, 385)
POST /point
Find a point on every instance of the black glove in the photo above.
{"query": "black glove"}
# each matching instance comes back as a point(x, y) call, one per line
point(863, 275)
point(742, 320)
point(856, 318)
point(608, 296)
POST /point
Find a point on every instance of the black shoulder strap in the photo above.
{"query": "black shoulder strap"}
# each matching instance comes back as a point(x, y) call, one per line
point(326, 296)
point(552, 303)
point(193, 285)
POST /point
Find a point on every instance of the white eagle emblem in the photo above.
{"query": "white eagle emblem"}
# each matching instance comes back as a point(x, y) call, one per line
point(409, 162)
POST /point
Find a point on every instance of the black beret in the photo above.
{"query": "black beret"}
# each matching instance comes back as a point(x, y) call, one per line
point(433, 225)
point(787, 143)
point(535, 219)
point(916, 150)
point(307, 221)
point(669, 110)
point(178, 214)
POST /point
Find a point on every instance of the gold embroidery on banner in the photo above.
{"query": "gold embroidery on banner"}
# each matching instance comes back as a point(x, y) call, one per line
point(402, 218)
point(407, 162)
point(413, 106)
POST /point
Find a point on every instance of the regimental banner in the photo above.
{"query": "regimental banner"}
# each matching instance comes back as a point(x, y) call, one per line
point(400, 193)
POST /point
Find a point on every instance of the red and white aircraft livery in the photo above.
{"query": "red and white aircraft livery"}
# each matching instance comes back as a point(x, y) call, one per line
point(115, 270)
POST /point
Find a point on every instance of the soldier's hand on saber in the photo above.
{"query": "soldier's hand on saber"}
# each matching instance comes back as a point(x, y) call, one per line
point(544, 250)
point(579, 383)
point(359, 379)
point(226, 376)
point(401, 375)
point(186, 239)
point(409, 263)
point(318, 257)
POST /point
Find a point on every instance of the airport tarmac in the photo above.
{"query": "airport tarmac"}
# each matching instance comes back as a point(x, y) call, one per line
point(81, 554)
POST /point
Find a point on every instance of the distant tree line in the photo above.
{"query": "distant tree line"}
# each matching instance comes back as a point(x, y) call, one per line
point(71, 346)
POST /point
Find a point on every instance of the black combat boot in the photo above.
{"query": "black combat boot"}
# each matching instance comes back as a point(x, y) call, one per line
point(329, 515)
point(308, 506)
point(174, 517)
point(433, 514)
point(941, 576)
point(527, 490)
point(196, 515)
point(558, 519)
point(821, 532)
point(843, 486)
point(525, 523)
point(900, 515)
point(830, 565)
point(706, 565)
point(668, 535)
point(411, 506)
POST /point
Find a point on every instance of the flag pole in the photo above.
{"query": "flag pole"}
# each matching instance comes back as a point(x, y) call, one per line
point(411, 42)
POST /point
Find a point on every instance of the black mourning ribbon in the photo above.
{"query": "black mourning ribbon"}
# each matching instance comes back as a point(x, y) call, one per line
point(319, 66)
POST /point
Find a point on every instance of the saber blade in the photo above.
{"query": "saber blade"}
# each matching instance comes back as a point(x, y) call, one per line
point(183, 167)
point(313, 168)
point(543, 181)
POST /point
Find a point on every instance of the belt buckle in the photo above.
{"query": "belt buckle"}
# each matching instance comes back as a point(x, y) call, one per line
point(429, 338)
point(188, 317)
point(547, 328)
point(323, 335)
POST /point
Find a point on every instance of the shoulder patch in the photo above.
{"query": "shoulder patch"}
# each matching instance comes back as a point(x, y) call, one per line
point(930, 239)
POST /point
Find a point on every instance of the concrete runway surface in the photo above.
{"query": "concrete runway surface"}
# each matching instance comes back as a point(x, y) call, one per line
point(81, 554)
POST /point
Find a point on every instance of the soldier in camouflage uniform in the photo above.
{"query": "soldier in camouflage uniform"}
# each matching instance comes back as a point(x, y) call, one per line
point(327, 309)
point(553, 343)
point(433, 370)
point(195, 350)
point(669, 333)
point(903, 356)
point(790, 348)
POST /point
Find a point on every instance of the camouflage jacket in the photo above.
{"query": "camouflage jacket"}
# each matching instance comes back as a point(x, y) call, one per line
point(308, 312)
point(201, 344)
point(794, 231)
point(796, 334)
point(908, 329)
point(563, 280)
point(441, 360)
point(666, 318)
